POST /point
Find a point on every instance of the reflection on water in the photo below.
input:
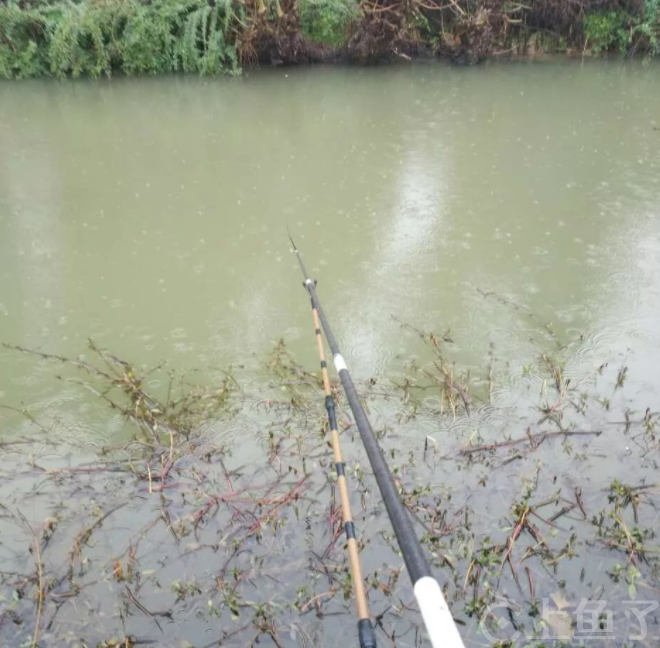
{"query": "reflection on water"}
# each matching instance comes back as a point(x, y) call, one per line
point(392, 266)
point(151, 214)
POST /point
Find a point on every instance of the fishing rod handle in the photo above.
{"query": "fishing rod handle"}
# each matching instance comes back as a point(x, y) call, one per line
point(438, 620)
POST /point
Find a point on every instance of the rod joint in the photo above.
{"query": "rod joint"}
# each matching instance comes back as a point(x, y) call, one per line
point(366, 634)
point(332, 416)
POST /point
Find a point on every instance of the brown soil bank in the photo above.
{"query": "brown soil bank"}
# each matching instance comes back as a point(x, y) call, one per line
point(100, 37)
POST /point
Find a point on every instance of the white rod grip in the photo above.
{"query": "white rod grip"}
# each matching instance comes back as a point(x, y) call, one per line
point(435, 612)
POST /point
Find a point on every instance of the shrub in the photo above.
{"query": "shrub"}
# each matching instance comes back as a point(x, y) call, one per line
point(85, 38)
point(96, 37)
point(608, 31)
point(148, 38)
point(204, 46)
point(326, 21)
point(623, 32)
point(22, 39)
point(647, 31)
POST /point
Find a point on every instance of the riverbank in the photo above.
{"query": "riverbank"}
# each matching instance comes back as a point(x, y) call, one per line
point(101, 37)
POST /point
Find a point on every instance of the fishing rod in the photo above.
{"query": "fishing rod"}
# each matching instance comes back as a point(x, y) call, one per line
point(366, 633)
point(432, 604)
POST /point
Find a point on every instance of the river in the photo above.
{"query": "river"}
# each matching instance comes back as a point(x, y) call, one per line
point(151, 216)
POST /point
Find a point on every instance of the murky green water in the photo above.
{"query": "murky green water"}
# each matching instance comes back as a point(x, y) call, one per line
point(151, 214)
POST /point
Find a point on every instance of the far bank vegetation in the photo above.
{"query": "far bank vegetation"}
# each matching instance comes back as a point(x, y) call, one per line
point(72, 38)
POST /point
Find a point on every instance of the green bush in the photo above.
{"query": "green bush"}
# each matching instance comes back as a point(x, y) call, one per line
point(147, 44)
point(621, 32)
point(647, 31)
point(608, 31)
point(85, 39)
point(326, 21)
point(99, 37)
point(22, 43)
point(203, 47)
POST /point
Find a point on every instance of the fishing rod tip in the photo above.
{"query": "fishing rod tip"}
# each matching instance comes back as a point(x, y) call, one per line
point(295, 249)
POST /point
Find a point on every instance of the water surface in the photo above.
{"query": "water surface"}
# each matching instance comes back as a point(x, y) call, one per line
point(151, 214)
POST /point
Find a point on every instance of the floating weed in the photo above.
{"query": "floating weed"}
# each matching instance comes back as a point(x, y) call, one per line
point(621, 377)
point(616, 532)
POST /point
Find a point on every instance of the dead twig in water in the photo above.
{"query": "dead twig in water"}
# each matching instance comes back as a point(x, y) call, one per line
point(540, 437)
point(144, 610)
point(330, 593)
point(40, 577)
point(85, 535)
point(23, 412)
point(545, 326)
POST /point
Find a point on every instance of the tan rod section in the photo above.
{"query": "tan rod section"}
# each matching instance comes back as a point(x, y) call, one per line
point(347, 518)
